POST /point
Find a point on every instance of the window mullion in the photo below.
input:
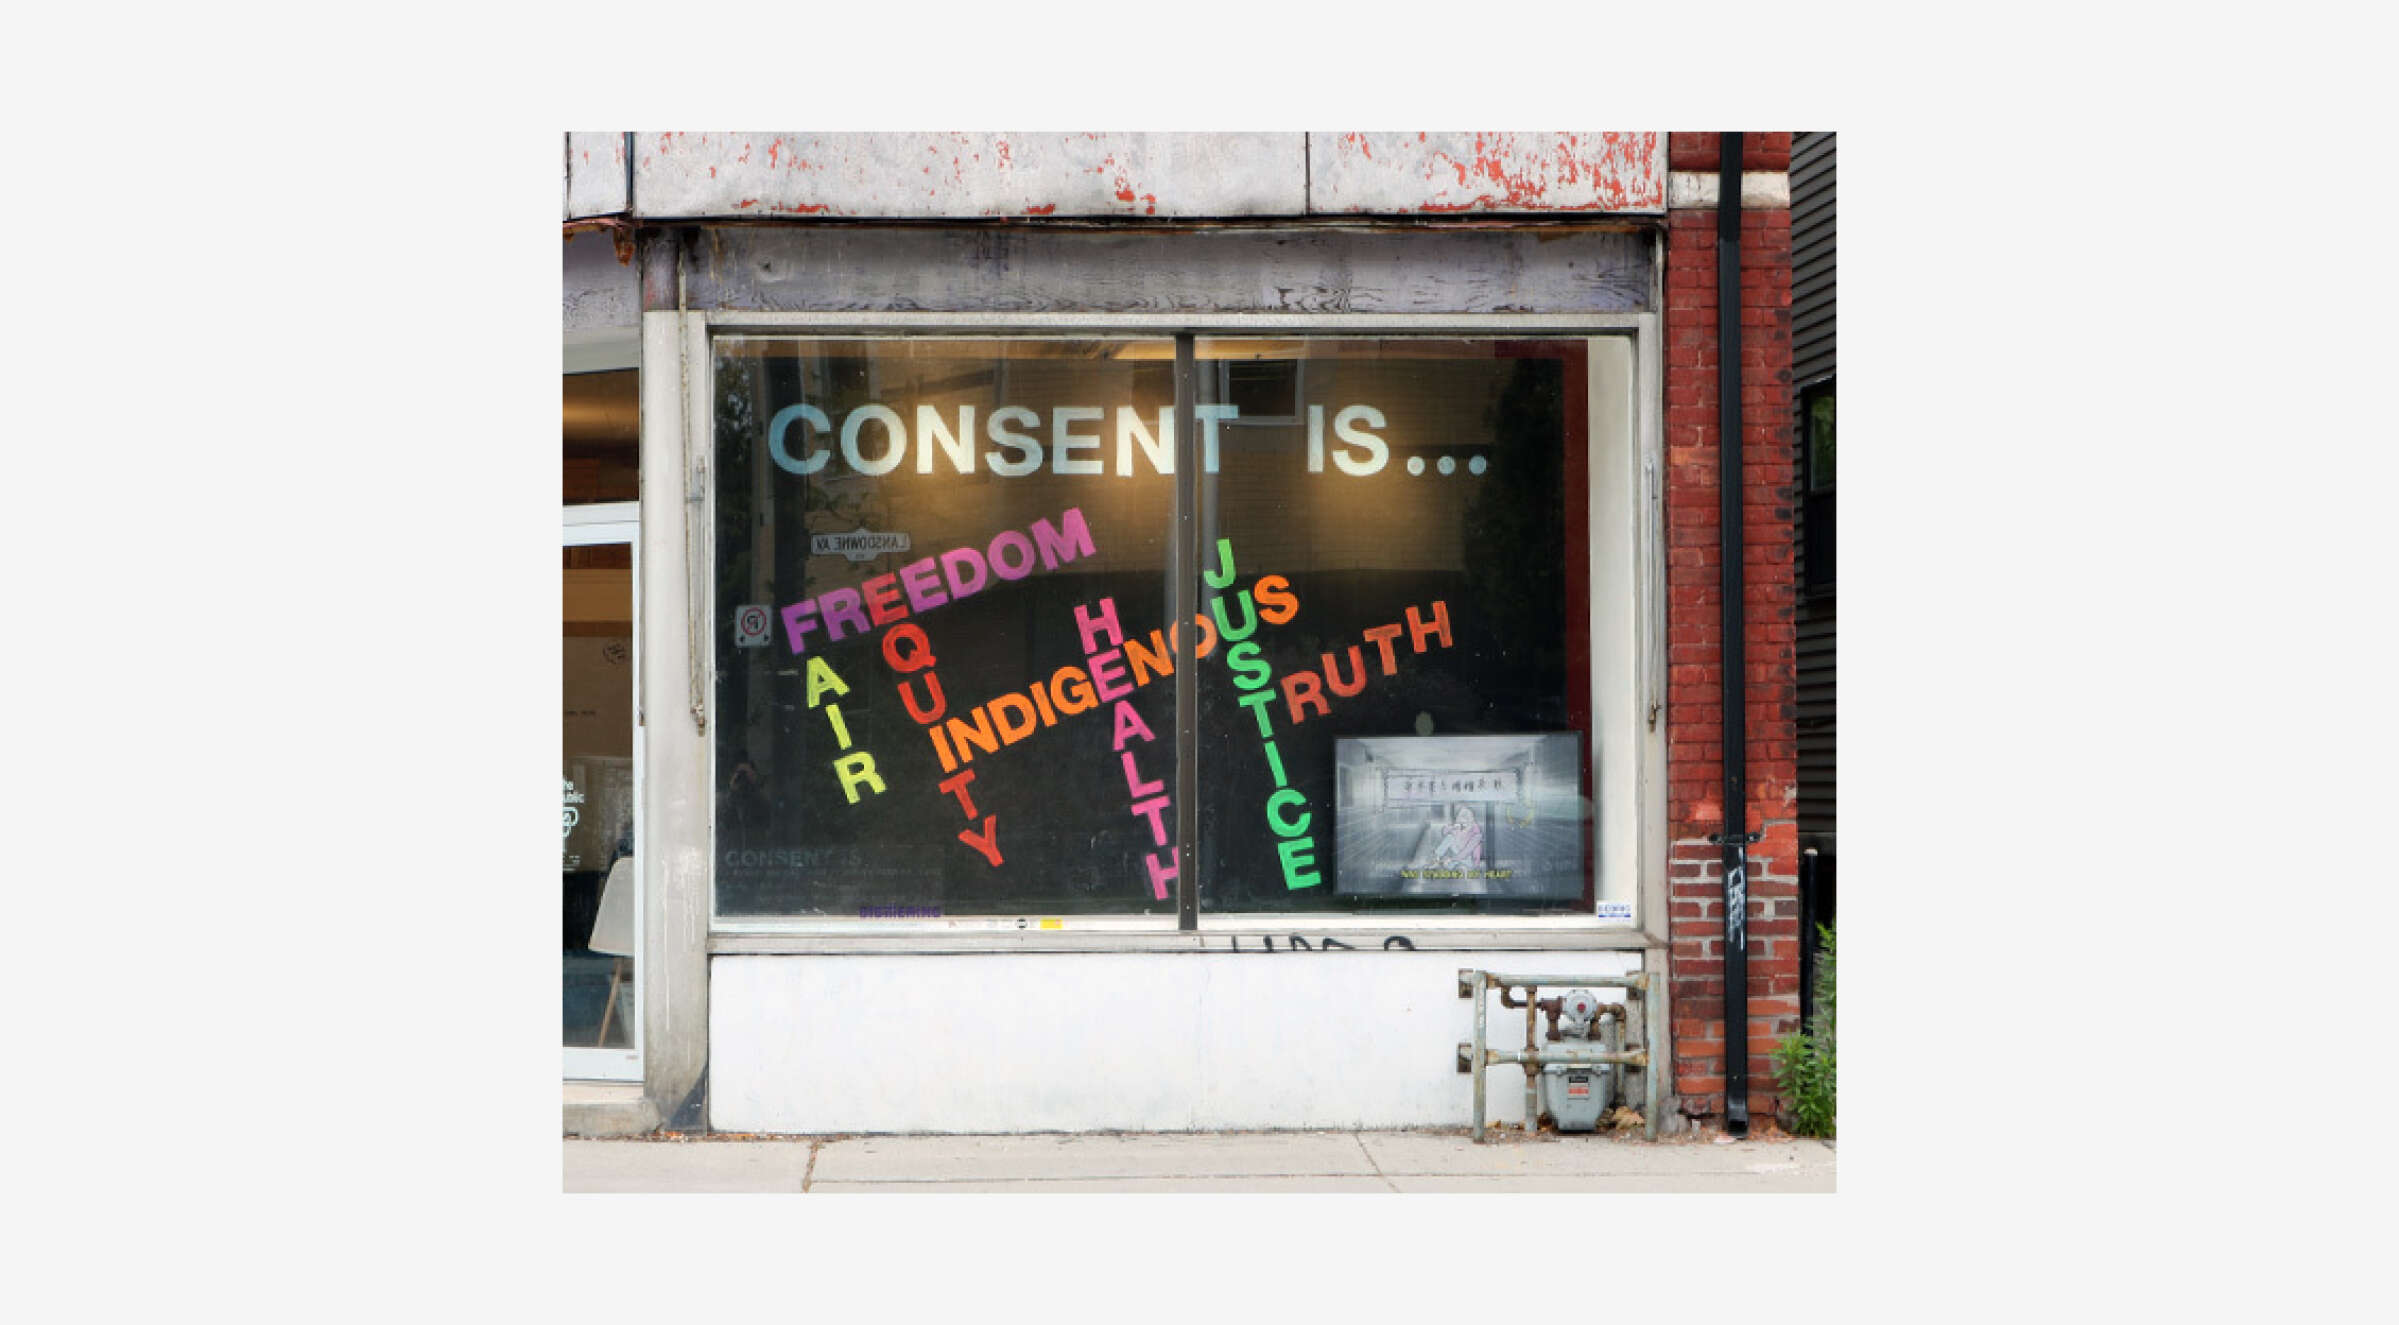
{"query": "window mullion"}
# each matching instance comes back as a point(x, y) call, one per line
point(1184, 604)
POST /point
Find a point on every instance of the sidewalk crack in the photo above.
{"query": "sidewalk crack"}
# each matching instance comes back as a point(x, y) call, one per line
point(1360, 1138)
point(814, 1145)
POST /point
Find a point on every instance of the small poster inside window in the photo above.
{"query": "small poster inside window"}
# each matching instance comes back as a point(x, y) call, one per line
point(1460, 816)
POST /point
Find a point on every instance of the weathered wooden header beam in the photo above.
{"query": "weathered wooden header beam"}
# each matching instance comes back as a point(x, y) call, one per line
point(896, 269)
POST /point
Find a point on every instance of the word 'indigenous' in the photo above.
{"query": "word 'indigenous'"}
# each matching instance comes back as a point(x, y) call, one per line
point(1113, 673)
point(929, 582)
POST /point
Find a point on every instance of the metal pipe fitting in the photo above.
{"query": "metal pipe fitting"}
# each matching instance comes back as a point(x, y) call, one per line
point(1565, 1058)
point(1536, 1061)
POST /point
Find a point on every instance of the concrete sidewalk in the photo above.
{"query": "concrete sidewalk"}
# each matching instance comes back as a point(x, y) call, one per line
point(1198, 1162)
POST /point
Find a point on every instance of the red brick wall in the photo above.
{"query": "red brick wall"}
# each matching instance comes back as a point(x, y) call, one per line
point(1698, 151)
point(1694, 711)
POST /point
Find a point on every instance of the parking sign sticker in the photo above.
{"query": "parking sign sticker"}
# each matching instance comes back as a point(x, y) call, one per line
point(753, 626)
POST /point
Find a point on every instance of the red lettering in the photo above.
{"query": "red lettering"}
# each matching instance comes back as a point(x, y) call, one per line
point(987, 842)
point(1301, 689)
point(1420, 630)
point(883, 600)
point(1357, 670)
point(956, 786)
point(907, 649)
point(931, 710)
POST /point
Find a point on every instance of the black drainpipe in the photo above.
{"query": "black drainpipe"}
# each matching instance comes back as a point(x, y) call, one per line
point(1734, 839)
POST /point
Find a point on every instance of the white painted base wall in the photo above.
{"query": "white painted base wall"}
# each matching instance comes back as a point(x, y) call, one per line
point(1107, 1042)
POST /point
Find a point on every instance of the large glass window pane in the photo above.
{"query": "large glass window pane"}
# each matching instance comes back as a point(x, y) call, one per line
point(942, 683)
point(1396, 713)
point(596, 857)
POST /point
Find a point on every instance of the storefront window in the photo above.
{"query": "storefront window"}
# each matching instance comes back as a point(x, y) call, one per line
point(1407, 725)
point(927, 554)
point(945, 650)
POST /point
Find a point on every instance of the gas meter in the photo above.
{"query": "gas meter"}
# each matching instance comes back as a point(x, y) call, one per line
point(1575, 1012)
point(1577, 1094)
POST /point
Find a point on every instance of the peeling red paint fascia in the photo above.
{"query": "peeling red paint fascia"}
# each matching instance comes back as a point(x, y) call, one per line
point(620, 234)
point(1517, 176)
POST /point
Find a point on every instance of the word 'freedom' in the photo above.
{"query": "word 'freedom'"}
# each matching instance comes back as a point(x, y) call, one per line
point(875, 439)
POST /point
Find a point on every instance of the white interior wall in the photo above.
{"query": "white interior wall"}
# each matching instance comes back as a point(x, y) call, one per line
point(1110, 1041)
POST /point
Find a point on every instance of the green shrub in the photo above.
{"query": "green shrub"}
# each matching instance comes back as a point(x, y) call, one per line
point(1803, 1062)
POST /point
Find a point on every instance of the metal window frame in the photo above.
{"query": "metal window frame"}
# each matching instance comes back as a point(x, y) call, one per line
point(800, 935)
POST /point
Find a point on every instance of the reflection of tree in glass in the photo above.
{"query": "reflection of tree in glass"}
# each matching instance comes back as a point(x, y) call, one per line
point(1515, 531)
point(737, 430)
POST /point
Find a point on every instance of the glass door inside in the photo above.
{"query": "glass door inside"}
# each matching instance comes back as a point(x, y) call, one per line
point(599, 856)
